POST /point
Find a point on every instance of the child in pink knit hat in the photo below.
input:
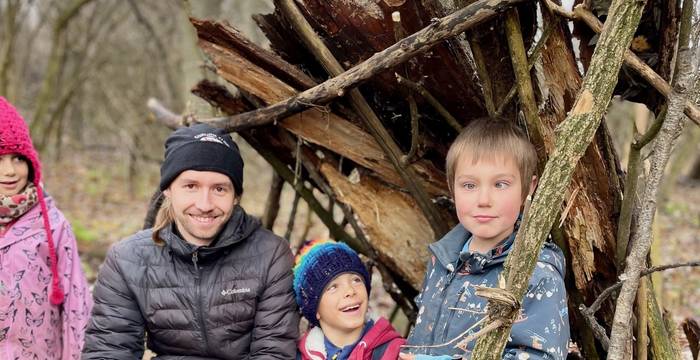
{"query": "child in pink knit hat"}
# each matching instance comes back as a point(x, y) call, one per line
point(44, 299)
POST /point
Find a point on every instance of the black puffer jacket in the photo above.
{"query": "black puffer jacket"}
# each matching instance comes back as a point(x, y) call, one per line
point(232, 300)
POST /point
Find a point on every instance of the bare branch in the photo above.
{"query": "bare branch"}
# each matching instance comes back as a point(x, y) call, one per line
point(420, 89)
point(666, 140)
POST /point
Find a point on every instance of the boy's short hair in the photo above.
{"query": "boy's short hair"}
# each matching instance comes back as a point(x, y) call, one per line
point(318, 263)
point(489, 137)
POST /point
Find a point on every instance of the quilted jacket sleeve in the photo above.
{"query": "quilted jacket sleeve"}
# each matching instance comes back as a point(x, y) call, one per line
point(116, 328)
point(277, 318)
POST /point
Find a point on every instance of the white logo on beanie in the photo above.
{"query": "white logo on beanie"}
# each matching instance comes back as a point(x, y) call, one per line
point(211, 137)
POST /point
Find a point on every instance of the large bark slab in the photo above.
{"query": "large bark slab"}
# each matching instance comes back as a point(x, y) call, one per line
point(356, 30)
point(393, 227)
point(317, 125)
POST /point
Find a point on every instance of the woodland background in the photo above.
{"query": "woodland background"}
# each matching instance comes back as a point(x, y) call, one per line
point(82, 71)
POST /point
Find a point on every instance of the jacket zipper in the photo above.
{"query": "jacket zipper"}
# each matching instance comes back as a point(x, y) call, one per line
point(449, 277)
point(195, 259)
point(451, 313)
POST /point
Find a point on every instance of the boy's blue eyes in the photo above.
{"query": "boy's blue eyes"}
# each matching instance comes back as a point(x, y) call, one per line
point(497, 185)
point(502, 185)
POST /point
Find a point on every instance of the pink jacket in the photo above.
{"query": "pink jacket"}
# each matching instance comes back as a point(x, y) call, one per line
point(30, 326)
point(381, 337)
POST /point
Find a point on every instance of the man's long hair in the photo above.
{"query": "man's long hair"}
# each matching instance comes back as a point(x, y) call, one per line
point(164, 218)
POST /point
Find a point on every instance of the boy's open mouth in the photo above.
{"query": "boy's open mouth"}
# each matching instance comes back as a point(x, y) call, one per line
point(350, 308)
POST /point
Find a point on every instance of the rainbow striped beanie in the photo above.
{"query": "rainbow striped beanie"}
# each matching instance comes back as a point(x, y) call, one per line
point(316, 264)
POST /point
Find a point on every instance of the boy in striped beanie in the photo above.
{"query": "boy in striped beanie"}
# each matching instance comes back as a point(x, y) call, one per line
point(332, 287)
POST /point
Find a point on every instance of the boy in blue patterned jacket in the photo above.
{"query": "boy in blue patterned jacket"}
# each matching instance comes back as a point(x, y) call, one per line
point(491, 171)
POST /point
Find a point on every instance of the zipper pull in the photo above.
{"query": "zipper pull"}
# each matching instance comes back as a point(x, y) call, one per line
point(195, 258)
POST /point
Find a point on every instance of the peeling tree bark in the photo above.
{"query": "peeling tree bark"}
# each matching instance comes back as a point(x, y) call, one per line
point(398, 53)
point(316, 125)
point(371, 120)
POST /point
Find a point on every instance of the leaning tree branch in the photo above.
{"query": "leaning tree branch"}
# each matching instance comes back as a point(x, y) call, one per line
point(272, 204)
point(574, 135)
point(647, 73)
point(668, 136)
point(314, 43)
point(533, 57)
point(528, 104)
point(630, 194)
point(441, 29)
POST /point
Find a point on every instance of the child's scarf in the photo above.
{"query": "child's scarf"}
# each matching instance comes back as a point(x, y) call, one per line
point(14, 206)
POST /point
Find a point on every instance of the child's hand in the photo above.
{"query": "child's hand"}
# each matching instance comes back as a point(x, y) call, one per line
point(404, 356)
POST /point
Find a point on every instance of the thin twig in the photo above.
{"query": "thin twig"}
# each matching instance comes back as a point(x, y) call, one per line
point(485, 330)
point(465, 332)
point(605, 293)
point(293, 214)
point(420, 89)
point(400, 33)
point(413, 110)
point(569, 204)
point(589, 312)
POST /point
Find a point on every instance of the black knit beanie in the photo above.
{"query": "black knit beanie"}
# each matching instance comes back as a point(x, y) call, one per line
point(201, 147)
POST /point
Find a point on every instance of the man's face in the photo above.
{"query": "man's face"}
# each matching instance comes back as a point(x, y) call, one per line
point(202, 202)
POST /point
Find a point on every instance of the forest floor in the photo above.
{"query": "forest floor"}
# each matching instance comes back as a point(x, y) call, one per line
point(105, 206)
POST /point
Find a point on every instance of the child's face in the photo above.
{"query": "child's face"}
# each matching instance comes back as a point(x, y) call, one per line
point(343, 304)
point(488, 197)
point(14, 173)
